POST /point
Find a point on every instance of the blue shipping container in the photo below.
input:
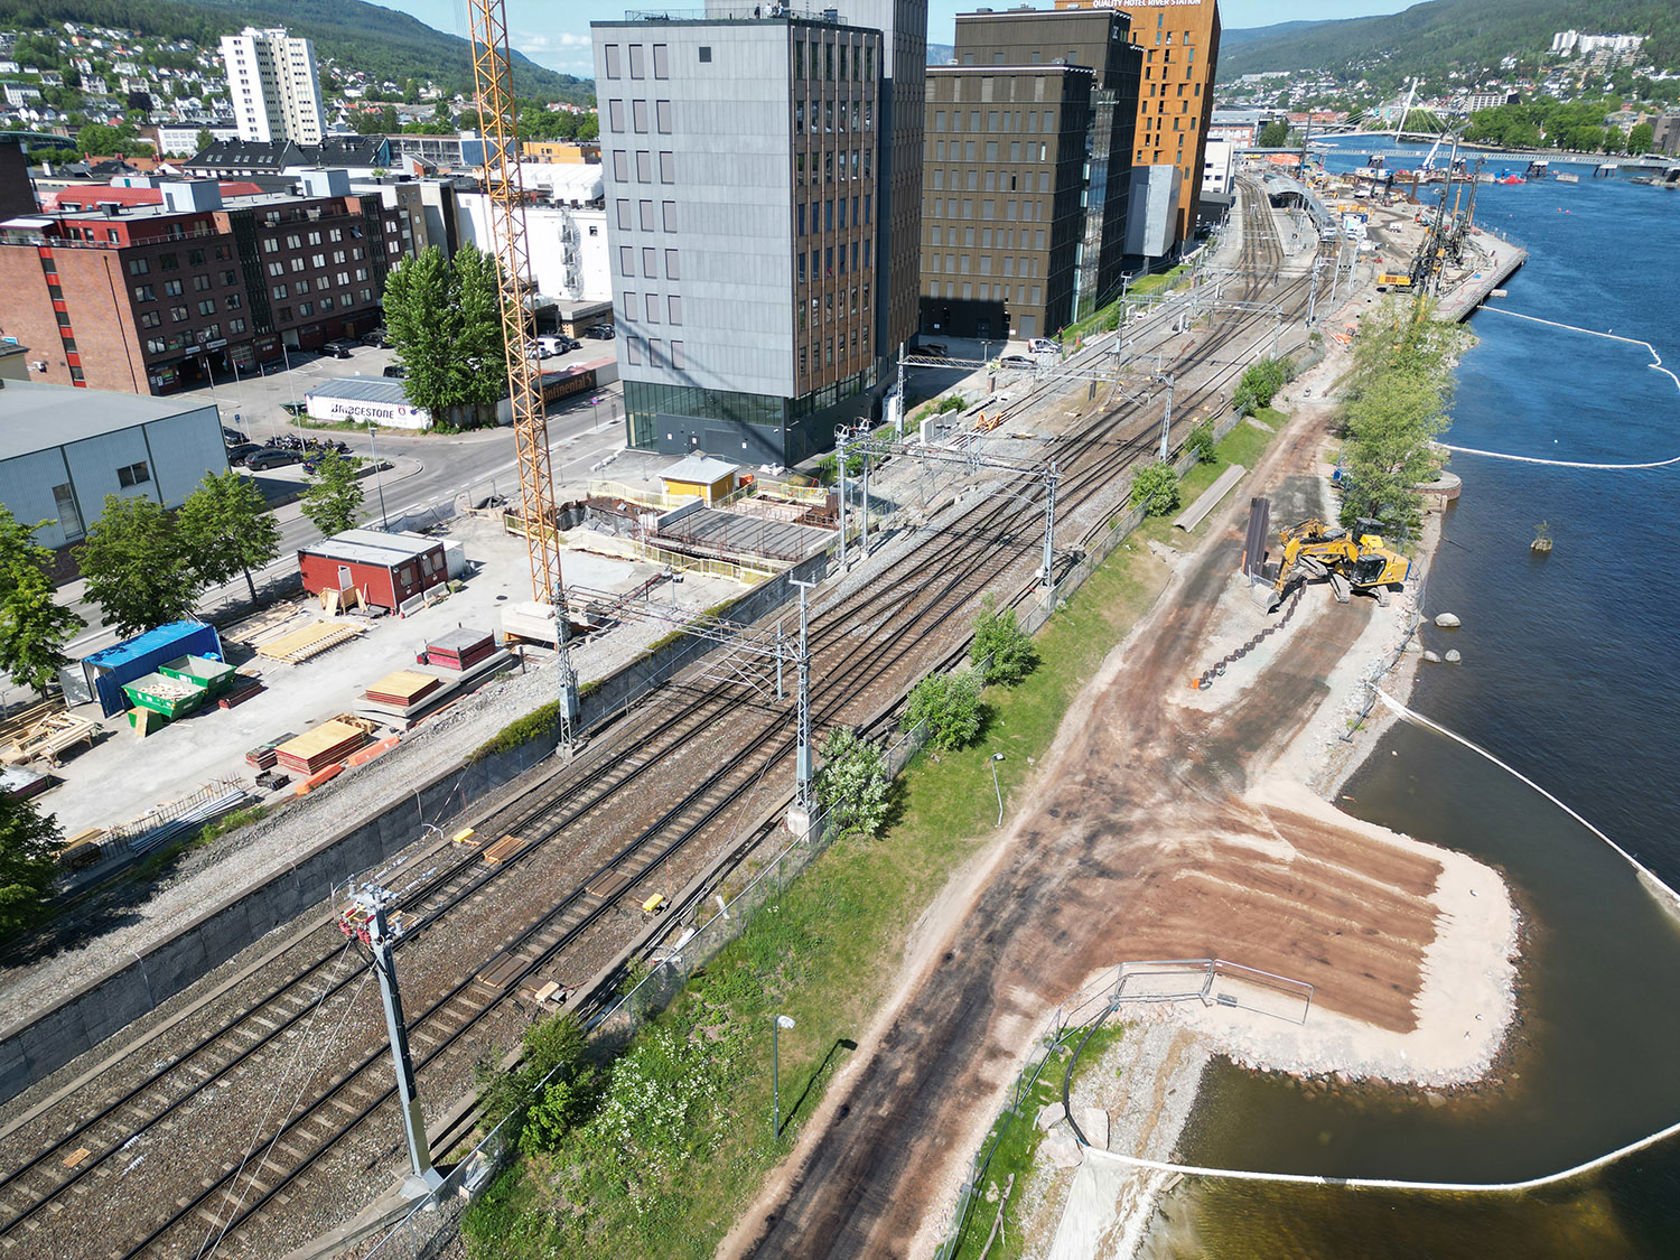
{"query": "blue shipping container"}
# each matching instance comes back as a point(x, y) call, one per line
point(106, 671)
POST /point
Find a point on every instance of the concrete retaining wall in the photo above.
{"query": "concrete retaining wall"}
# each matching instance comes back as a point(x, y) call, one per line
point(89, 1015)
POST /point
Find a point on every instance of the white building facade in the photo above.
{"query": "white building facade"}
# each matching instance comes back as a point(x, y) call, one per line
point(273, 85)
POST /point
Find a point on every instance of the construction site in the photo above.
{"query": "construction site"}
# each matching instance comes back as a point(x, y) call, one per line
point(686, 642)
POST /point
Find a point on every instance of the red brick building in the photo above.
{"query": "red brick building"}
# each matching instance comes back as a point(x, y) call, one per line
point(145, 299)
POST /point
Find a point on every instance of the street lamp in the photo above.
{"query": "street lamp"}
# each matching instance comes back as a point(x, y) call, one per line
point(776, 1026)
point(378, 476)
point(996, 786)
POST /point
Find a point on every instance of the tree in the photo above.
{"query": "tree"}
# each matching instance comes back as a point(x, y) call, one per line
point(1641, 138)
point(204, 141)
point(29, 843)
point(333, 502)
point(34, 626)
point(226, 529)
point(852, 786)
point(1260, 383)
point(136, 568)
point(1001, 651)
point(444, 319)
point(479, 355)
point(1274, 135)
point(1156, 488)
point(948, 705)
point(1201, 443)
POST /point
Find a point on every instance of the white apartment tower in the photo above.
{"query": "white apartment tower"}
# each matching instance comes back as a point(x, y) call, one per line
point(275, 91)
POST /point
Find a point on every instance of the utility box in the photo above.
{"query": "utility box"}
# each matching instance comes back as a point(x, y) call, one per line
point(386, 570)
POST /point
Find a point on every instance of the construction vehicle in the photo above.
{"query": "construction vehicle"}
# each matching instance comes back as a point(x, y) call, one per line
point(1314, 551)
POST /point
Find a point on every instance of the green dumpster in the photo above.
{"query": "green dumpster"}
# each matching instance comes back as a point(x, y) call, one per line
point(172, 697)
point(216, 677)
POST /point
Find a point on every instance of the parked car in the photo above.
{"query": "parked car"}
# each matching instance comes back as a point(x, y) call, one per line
point(237, 455)
point(376, 337)
point(549, 347)
point(601, 332)
point(233, 437)
point(1043, 345)
point(932, 350)
point(396, 371)
point(272, 457)
point(294, 408)
point(339, 348)
point(1018, 361)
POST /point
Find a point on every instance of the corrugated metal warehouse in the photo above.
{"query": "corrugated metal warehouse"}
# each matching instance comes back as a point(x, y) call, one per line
point(63, 449)
point(385, 569)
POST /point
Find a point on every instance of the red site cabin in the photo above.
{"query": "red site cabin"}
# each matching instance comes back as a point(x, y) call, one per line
point(387, 570)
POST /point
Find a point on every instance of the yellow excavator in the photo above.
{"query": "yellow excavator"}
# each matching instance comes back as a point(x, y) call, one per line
point(1315, 550)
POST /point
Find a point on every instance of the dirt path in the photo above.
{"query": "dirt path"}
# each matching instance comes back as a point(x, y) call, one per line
point(1138, 844)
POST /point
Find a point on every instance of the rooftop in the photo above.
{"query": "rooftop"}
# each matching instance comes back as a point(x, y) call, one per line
point(370, 546)
point(698, 469)
point(362, 388)
point(37, 417)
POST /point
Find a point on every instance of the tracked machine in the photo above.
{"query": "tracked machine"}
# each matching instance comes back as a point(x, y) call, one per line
point(1314, 551)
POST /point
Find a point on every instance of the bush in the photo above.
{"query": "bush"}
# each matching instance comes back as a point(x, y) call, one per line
point(949, 706)
point(828, 468)
point(1260, 384)
point(1201, 443)
point(548, 1092)
point(1001, 651)
point(540, 721)
point(1155, 488)
point(852, 785)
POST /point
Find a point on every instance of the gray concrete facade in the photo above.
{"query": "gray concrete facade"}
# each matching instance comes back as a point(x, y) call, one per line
point(1152, 222)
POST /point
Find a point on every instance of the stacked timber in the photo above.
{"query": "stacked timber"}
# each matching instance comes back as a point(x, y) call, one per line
point(328, 744)
point(404, 688)
point(460, 649)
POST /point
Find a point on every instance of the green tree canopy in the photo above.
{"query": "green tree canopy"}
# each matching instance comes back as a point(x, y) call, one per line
point(29, 843)
point(226, 528)
point(136, 567)
point(34, 626)
point(949, 706)
point(852, 786)
point(444, 319)
point(1274, 135)
point(1155, 487)
point(333, 502)
point(1641, 138)
point(1001, 651)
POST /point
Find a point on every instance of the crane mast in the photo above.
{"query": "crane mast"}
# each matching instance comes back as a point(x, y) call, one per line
point(504, 189)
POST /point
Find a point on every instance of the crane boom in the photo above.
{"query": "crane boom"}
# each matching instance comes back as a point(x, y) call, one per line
point(505, 192)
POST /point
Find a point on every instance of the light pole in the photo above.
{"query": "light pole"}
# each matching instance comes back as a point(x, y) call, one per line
point(776, 1026)
point(996, 786)
point(378, 476)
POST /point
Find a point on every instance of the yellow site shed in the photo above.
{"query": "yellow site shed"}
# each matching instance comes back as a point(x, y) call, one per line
point(701, 476)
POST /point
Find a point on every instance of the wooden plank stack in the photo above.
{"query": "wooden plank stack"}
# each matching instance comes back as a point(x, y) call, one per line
point(460, 649)
point(403, 688)
point(314, 750)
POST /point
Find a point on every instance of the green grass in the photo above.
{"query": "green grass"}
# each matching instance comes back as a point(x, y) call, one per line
point(540, 721)
point(1242, 445)
point(666, 1168)
point(1106, 317)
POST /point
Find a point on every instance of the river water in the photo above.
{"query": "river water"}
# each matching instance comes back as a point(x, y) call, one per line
point(1571, 674)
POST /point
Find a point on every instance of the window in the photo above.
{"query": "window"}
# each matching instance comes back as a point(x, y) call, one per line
point(621, 165)
point(64, 500)
point(177, 313)
point(294, 241)
point(644, 167)
point(615, 67)
point(138, 266)
point(629, 304)
point(650, 304)
point(285, 314)
point(201, 283)
point(236, 326)
point(150, 319)
point(646, 208)
point(661, 61)
point(144, 293)
point(679, 360)
point(638, 62)
point(656, 352)
point(650, 262)
point(172, 288)
point(669, 210)
point(662, 116)
point(633, 349)
point(615, 115)
point(306, 309)
point(672, 270)
point(136, 474)
point(207, 307)
point(229, 278)
point(638, 116)
point(169, 262)
point(301, 287)
point(706, 54)
point(626, 261)
point(297, 264)
point(667, 168)
point(673, 308)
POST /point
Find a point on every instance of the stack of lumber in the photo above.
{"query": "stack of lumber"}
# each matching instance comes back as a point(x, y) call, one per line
point(460, 649)
point(403, 688)
point(328, 744)
point(310, 641)
point(46, 737)
point(262, 756)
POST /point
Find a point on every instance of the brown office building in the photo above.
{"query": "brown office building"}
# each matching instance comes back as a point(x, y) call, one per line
point(146, 299)
point(1001, 201)
point(1032, 130)
point(1180, 44)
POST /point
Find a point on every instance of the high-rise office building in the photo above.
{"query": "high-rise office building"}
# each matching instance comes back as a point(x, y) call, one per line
point(1028, 157)
point(275, 90)
point(1180, 44)
point(755, 177)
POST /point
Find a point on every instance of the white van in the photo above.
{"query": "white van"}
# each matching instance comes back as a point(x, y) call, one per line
point(1043, 345)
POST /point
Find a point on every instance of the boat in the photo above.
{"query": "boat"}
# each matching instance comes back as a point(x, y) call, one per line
point(1509, 177)
point(1568, 177)
point(1670, 178)
point(1606, 170)
point(1539, 168)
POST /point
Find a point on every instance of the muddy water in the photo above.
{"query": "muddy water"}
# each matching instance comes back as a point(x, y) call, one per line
point(1571, 674)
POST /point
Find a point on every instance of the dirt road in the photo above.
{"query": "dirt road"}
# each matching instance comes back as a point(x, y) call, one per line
point(1137, 845)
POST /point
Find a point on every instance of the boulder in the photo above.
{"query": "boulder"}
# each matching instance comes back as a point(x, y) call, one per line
point(1093, 1123)
point(1059, 1149)
point(1050, 1115)
point(1453, 657)
point(1447, 621)
point(1434, 658)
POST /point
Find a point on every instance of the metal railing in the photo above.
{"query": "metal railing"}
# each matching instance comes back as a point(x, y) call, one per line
point(735, 13)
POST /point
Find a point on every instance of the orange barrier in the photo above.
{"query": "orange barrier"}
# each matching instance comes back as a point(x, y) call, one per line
point(371, 751)
point(318, 779)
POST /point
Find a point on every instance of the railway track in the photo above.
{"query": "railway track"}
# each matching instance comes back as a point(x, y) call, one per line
point(908, 612)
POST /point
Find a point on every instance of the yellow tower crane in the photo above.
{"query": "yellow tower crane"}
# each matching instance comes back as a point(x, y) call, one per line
point(504, 189)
